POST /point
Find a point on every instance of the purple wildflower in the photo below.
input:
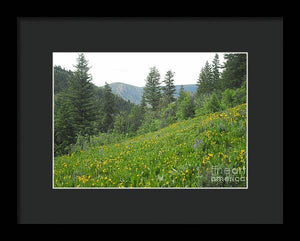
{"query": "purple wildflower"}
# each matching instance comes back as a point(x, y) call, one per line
point(197, 143)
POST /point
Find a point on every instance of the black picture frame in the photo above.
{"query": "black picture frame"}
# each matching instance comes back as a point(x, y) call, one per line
point(262, 38)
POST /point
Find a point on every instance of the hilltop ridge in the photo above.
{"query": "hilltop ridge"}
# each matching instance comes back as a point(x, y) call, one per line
point(134, 93)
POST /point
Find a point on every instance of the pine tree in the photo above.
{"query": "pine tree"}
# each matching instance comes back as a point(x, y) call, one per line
point(185, 106)
point(152, 89)
point(61, 77)
point(135, 118)
point(143, 102)
point(205, 81)
point(108, 108)
point(234, 74)
point(215, 71)
point(169, 89)
point(181, 93)
point(64, 131)
point(83, 98)
point(121, 123)
point(213, 103)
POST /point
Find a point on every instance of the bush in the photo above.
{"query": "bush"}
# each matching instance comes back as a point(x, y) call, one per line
point(168, 115)
point(228, 98)
point(241, 95)
point(186, 107)
point(234, 97)
point(121, 123)
point(153, 125)
point(211, 104)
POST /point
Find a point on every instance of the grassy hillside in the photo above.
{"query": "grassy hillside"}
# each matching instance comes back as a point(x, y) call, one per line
point(200, 152)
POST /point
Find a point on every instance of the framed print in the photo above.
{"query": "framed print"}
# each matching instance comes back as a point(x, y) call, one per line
point(149, 120)
point(127, 137)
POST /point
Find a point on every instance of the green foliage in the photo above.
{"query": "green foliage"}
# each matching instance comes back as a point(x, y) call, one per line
point(169, 88)
point(61, 77)
point(108, 108)
point(75, 108)
point(234, 97)
point(121, 123)
point(211, 104)
point(135, 118)
point(168, 115)
point(234, 74)
point(129, 123)
point(241, 94)
point(152, 90)
point(185, 107)
point(64, 131)
point(119, 103)
point(228, 98)
point(82, 96)
point(215, 71)
point(205, 80)
point(143, 103)
point(181, 94)
point(150, 123)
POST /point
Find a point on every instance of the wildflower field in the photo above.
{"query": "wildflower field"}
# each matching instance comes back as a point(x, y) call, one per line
point(206, 151)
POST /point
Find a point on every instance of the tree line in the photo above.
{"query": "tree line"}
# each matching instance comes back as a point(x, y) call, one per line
point(84, 112)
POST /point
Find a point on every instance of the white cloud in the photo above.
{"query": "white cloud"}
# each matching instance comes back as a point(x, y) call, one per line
point(133, 67)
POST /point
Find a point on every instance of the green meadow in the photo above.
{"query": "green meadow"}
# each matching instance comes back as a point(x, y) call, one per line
point(204, 151)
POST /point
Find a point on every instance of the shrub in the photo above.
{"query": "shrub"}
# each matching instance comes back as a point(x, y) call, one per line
point(211, 104)
point(168, 115)
point(234, 97)
point(121, 123)
point(149, 126)
point(186, 107)
point(228, 98)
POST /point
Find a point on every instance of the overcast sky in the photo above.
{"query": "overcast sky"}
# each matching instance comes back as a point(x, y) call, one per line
point(133, 68)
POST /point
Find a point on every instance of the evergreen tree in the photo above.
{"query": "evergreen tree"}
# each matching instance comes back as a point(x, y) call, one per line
point(108, 108)
point(168, 114)
point(185, 106)
point(169, 89)
point(234, 74)
point(119, 103)
point(215, 71)
point(135, 118)
point(213, 103)
point(181, 93)
point(61, 79)
point(64, 131)
point(205, 81)
point(121, 123)
point(143, 102)
point(83, 98)
point(152, 89)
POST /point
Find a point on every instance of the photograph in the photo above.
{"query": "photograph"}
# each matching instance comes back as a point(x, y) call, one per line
point(149, 120)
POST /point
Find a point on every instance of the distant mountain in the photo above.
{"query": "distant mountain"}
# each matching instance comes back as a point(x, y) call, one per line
point(134, 93)
point(127, 92)
point(188, 88)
